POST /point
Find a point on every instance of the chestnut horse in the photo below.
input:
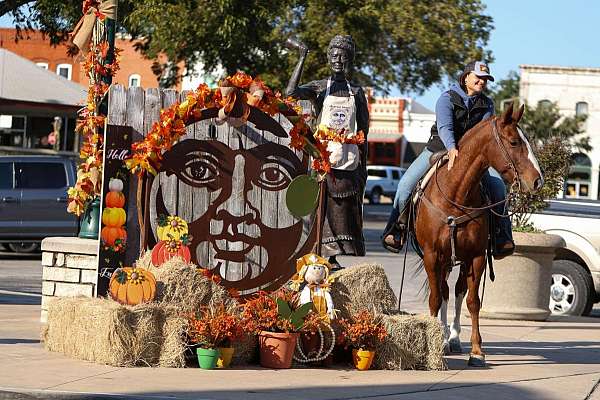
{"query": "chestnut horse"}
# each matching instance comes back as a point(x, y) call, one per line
point(499, 143)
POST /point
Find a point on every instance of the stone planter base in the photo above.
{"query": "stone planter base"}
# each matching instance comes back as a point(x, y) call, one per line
point(69, 269)
point(522, 286)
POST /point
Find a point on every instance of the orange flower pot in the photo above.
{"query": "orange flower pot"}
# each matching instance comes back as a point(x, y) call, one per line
point(363, 359)
point(277, 349)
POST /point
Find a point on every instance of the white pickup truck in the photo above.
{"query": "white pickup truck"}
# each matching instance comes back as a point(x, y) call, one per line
point(576, 269)
point(382, 180)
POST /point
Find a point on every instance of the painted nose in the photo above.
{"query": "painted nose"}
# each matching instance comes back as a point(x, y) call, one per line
point(537, 185)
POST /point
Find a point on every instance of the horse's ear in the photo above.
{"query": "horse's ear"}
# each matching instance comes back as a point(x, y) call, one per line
point(507, 115)
point(518, 113)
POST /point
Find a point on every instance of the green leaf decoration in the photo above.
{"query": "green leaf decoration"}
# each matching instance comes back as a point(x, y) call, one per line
point(283, 309)
point(121, 276)
point(298, 316)
point(302, 195)
point(162, 220)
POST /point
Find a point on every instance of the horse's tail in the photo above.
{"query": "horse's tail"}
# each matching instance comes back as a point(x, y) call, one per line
point(424, 290)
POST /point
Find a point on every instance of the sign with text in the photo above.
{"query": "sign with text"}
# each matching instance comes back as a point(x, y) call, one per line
point(113, 209)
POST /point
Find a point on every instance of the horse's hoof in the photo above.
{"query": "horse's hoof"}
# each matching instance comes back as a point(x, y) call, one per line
point(455, 346)
point(477, 360)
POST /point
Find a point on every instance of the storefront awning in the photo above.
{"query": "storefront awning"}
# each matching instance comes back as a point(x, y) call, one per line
point(384, 137)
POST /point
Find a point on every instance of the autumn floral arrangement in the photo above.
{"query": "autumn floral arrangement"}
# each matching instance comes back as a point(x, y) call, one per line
point(274, 312)
point(215, 326)
point(362, 331)
point(91, 121)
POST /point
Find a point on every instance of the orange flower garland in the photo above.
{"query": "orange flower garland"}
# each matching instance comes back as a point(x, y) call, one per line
point(90, 125)
point(148, 153)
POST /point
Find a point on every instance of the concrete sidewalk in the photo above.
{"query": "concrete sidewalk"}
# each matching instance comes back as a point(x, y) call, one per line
point(557, 359)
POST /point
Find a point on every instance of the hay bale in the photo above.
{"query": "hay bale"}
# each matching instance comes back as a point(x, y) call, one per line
point(413, 342)
point(103, 331)
point(180, 285)
point(363, 286)
point(172, 353)
point(145, 260)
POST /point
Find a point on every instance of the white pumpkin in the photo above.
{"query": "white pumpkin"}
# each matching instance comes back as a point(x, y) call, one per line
point(115, 185)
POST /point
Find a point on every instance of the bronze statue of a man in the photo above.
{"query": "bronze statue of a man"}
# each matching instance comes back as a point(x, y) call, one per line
point(339, 104)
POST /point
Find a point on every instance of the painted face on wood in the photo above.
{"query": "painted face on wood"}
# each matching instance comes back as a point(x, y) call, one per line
point(240, 226)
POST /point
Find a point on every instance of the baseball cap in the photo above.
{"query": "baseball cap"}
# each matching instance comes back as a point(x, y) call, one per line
point(478, 68)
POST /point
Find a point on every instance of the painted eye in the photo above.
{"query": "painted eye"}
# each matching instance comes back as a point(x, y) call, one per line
point(199, 172)
point(273, 177)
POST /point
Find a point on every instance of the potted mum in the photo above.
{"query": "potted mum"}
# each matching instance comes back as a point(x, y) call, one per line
point(276, 321)
point(214, 329)
point(363, 332)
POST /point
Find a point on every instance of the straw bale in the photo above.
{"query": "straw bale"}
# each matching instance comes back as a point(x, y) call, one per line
point(172, 353)
point(413, 342)
point(103, 331)
point(179, 284)
point(363, 286)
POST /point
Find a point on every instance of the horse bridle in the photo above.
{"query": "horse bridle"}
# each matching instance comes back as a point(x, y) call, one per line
point(510, 164)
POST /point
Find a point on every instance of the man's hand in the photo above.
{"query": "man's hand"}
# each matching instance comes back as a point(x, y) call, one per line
point(452, 154)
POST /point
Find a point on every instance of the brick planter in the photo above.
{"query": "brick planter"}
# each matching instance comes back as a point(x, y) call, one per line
point(69, 269)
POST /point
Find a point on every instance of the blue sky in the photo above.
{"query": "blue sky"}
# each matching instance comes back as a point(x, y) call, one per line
point(551, 32)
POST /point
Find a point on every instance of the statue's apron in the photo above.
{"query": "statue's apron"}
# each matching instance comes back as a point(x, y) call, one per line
point(342, 230)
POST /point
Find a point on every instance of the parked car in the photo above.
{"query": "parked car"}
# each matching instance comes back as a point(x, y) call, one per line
point(575, 285)
point(382, 180)
point(33, 200)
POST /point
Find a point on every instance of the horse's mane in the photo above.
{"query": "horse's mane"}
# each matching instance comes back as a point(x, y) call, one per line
point(480, 125)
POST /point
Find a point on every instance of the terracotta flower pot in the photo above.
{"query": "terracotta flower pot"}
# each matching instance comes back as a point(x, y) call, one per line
point(277, 349)
point(363, 359)
point(207, 358)
point(225, 355)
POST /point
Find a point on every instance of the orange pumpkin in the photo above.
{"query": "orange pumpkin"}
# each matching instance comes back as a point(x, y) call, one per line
point(110, 234)
point(131, 285)
point(167, 249)
point(115, 199)
point(113, 216)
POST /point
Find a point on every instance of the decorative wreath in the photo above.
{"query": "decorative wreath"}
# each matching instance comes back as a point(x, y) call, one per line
point(234, 98)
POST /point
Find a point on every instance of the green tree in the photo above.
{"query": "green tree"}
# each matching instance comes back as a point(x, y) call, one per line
point(400, 43)
point(553, 137)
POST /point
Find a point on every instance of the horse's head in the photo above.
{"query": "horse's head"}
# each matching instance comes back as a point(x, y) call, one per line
point(511, 153)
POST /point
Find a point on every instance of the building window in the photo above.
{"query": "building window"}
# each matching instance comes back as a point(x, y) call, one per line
point(135, 80)
point(578, 182)
point(581, 108)
point(64, 70)
point(12, 130)
point(42, 65)
point(544, 103)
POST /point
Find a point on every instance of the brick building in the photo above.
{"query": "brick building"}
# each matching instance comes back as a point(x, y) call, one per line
point(135, 69)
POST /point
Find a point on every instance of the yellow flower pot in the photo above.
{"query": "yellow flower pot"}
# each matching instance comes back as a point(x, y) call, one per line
point(225, 355)
point(363, 359)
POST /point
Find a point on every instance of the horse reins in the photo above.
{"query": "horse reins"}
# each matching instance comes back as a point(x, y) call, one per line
point(470, 212)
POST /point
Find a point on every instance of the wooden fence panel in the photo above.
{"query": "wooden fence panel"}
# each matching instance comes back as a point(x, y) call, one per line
point(235, 204)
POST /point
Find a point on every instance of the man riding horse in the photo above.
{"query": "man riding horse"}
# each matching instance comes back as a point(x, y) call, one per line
point(457, 110)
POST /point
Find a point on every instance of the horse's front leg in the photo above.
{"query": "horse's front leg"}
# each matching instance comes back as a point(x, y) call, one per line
point(477, 357)
point(459, 294)
point(443, 313)
point(434, 277)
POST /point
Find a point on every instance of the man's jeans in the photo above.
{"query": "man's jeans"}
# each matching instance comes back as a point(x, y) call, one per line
point(491, 181)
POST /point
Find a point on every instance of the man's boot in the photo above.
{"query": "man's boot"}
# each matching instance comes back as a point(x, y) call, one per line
point(394, 235)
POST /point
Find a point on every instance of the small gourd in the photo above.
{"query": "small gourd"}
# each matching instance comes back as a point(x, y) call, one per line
point(110, 234)
point(114, 216)
point(132, 286)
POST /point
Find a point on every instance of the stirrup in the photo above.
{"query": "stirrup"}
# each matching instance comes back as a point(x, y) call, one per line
point(397, 231)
